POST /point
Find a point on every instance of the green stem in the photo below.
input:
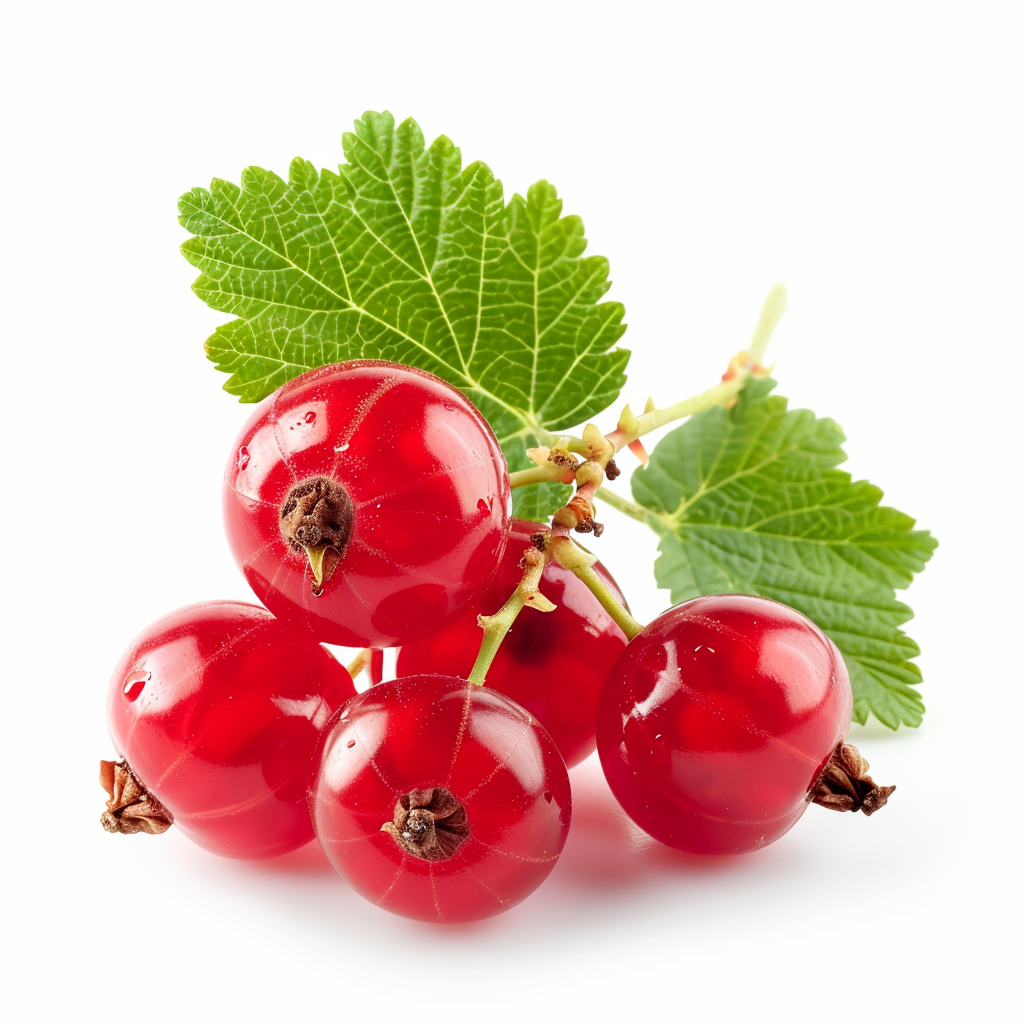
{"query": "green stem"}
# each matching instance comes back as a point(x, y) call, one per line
point(623, 505)
point(689, 406)
point(578, 562)
point(717, 395)
point(622, 618)
point(771, 312)
point(497, 625)
point(546, 473)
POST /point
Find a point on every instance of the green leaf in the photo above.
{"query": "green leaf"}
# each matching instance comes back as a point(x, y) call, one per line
point(406, 255)
point(749, 501)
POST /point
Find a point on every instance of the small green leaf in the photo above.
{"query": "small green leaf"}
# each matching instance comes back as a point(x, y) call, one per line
point(749, 501)
point(406, 255)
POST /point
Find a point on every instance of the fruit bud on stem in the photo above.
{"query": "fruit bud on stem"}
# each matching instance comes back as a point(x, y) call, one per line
point(589, 473)
point(555, 465)
point(578, 514)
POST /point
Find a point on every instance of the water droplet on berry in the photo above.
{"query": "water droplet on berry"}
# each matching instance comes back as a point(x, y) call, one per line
point(484, 504)
point(310, 417)
point(317, 591)
point(341, 447)
point(243, 457)
point(135, 683)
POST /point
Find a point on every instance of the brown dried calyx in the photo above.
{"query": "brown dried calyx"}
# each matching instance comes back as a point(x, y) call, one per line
point(429, 823)
point(578, 515)
point(845, 785)
point(131, 807)
point(317, 515)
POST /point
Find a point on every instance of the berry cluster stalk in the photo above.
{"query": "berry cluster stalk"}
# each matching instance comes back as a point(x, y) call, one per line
point(581, 564)
point(551, 464)
point(557, 461)
point(497, 625)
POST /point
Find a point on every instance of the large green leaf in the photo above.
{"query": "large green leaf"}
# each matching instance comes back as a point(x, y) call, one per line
point(406, 255)
point(749, 501)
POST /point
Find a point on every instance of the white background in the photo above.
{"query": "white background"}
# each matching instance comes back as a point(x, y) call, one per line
point(869, 155)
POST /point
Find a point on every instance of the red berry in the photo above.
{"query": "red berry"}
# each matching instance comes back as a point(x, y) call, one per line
point(717, 721)
point(440, 800)
point(217, 709)
point(367, 503)
point(552, 663)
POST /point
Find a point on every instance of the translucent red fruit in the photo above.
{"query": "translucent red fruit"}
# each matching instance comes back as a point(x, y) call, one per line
point(382, 480)
point(552, 663)
point(440, 800)
point(217, 708)
point(716, 722)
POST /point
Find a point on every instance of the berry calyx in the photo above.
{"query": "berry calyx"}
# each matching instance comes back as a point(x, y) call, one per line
point(845, 785)
point(428, 823)
point(316, 517)
point(131, 807)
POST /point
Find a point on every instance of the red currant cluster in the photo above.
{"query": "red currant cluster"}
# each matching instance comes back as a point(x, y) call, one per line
point(369, 504)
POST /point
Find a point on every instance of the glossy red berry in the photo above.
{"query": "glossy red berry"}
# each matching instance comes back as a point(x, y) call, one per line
point(217, 709)
point(552, 663)
point(440, 800)
point(717, 721)
point(367, 503)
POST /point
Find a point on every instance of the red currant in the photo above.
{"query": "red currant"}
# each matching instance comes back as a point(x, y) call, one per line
point(367, 503)
point(552, 663)
point(439, 799)
point(217, 709)
point(717, 721)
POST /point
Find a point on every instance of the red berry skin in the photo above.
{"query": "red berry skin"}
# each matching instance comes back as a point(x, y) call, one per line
point(431, 494)
point(218, 708)
point(491, 754)
point(552, 663)
point(717, 720)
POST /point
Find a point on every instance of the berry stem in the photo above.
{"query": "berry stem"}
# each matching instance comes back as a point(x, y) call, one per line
point(548, 472)
point(580, 563)
point(631, 428)
point(497, 625)
point(360, 662)
point(742, 367)
point(623, 505)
